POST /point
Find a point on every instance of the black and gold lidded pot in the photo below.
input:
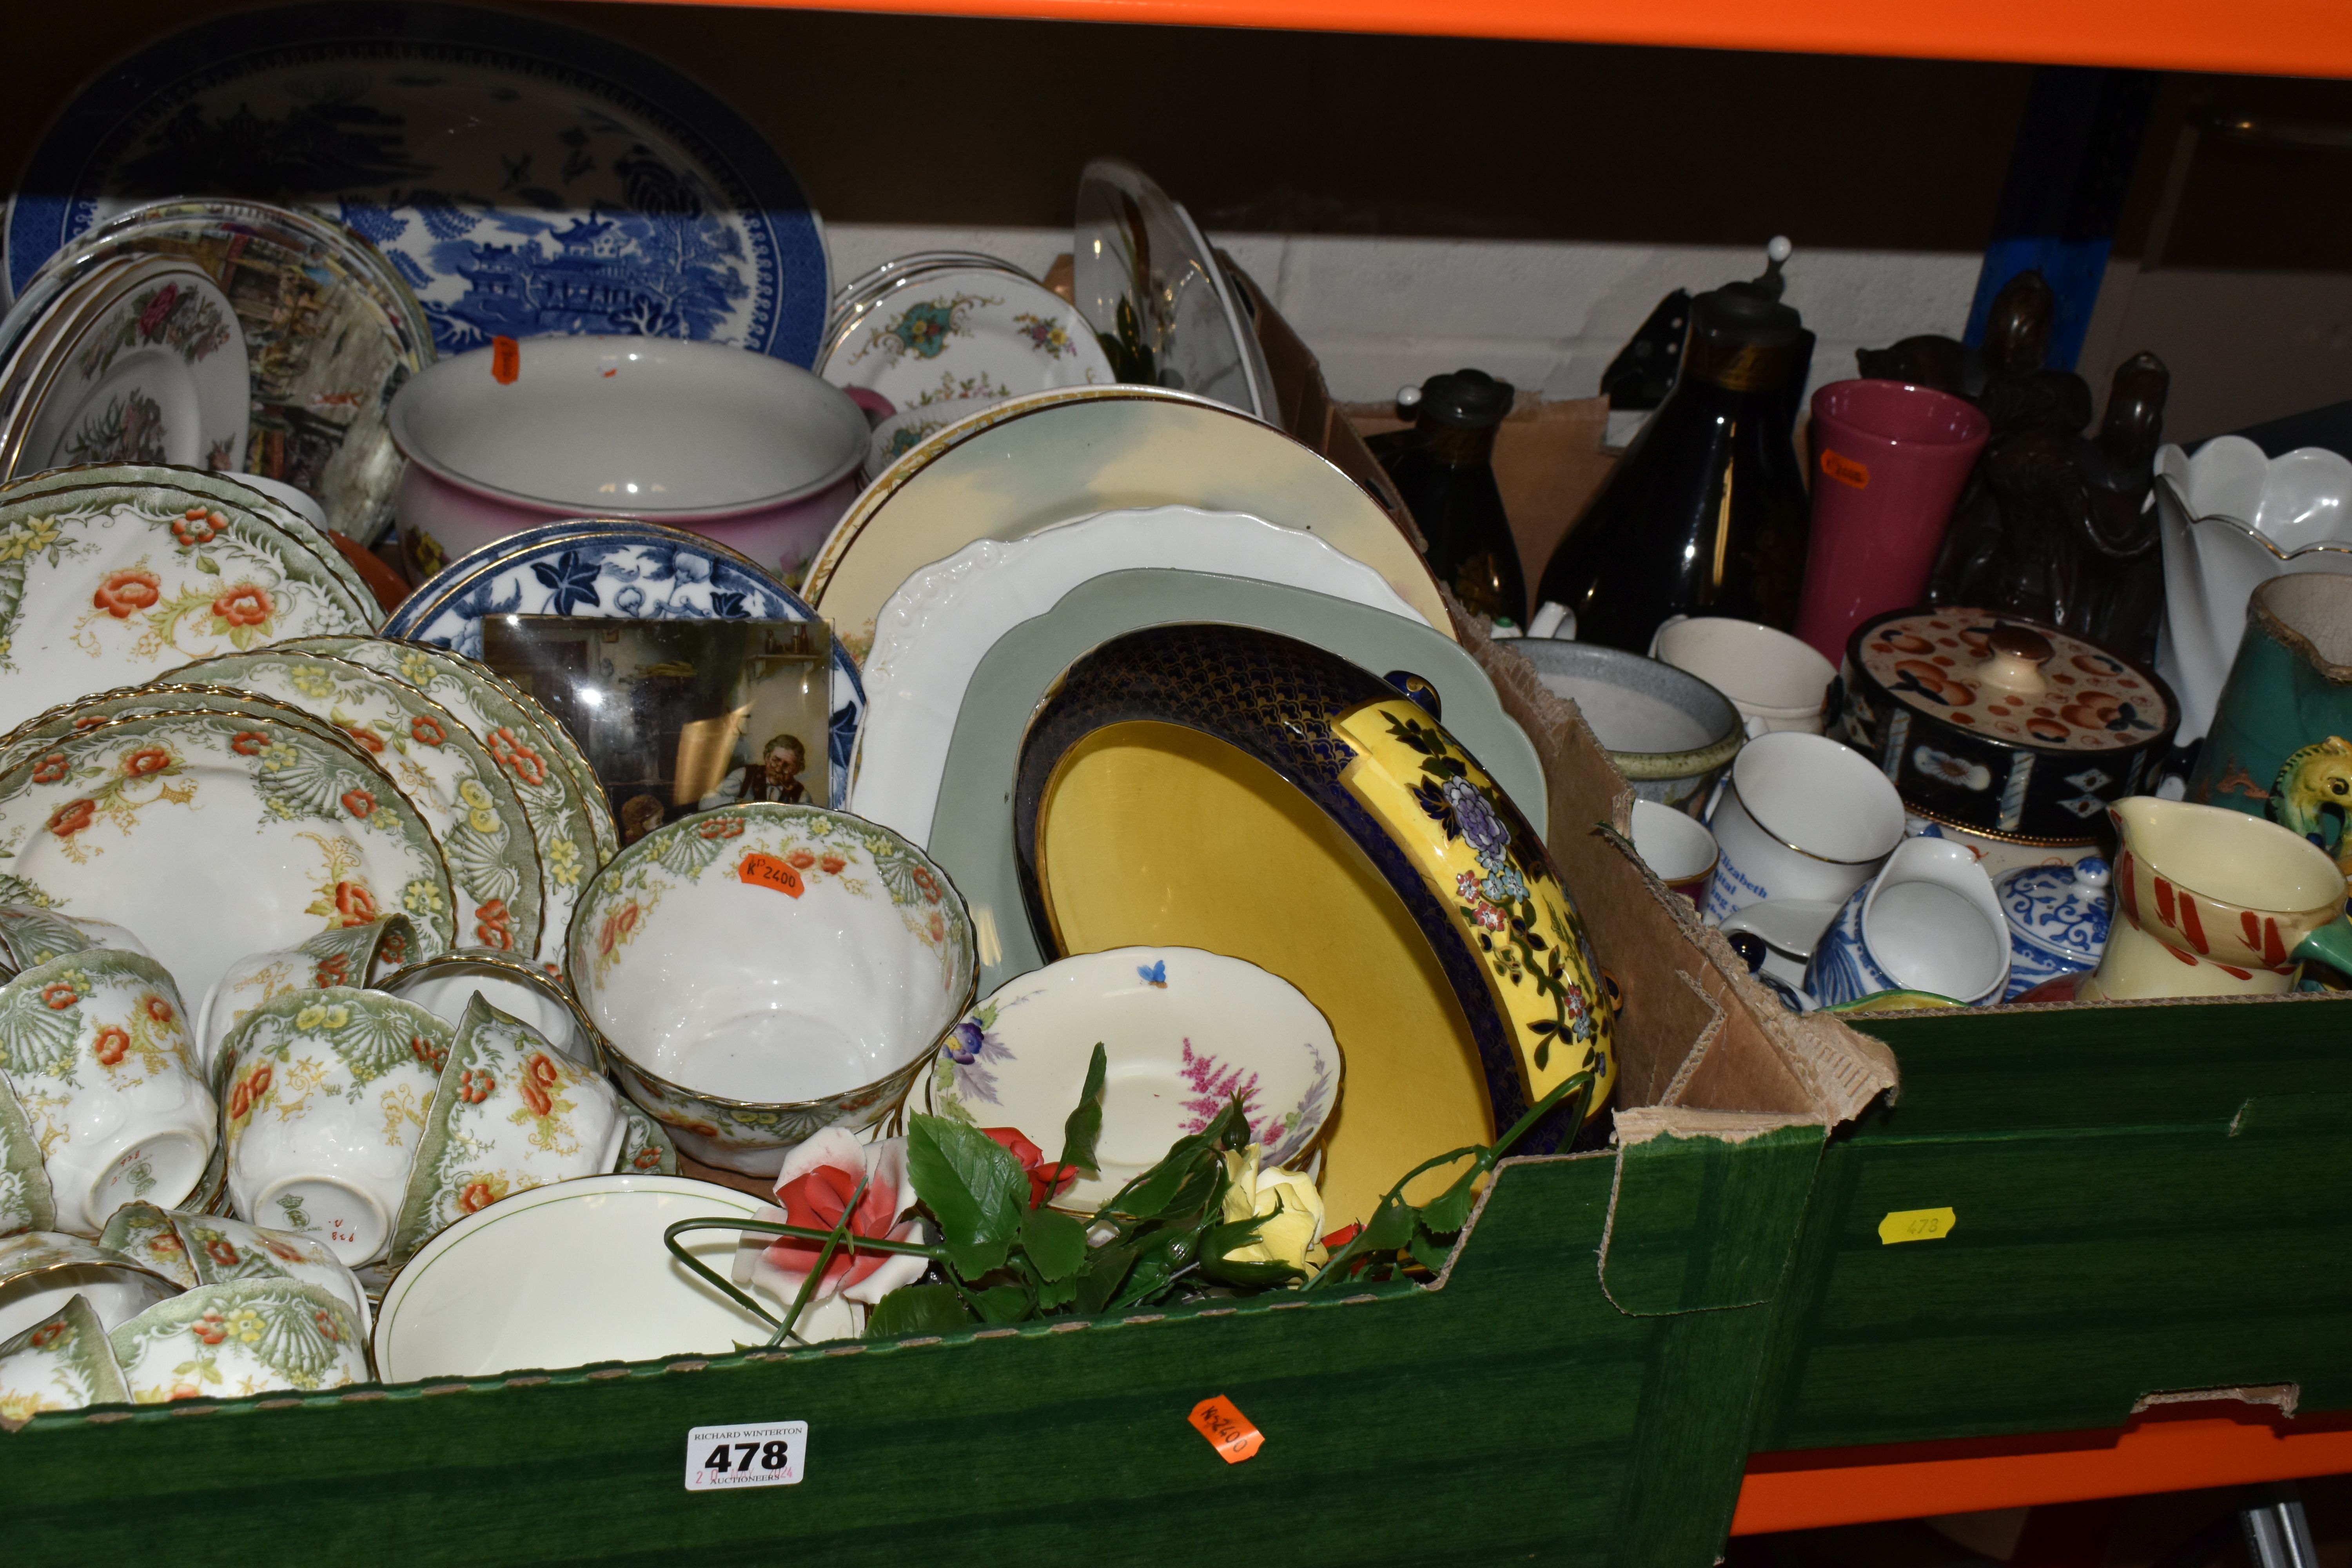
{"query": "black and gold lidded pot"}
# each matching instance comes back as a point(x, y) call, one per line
point(2000, 725)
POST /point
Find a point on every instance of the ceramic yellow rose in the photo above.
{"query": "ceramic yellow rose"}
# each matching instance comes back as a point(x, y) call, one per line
point(1293, 1232)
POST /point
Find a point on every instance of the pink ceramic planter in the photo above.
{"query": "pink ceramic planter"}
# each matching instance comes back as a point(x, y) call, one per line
point(1889, 460)
point(458, 521)
point(744, 449)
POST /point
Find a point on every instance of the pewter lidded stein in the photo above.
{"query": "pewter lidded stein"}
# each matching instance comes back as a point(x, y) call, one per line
point(1705, 513)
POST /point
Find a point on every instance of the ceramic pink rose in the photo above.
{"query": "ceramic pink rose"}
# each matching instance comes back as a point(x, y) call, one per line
point(818, 1180)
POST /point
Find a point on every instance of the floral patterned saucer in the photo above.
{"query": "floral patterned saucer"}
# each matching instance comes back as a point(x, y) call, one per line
point(959, 334)
point(199, 492)
point(1184, 1031)
point(486, 837)
point(112, 587)
point(217, 834)
point(533, 751)
point(152, 371)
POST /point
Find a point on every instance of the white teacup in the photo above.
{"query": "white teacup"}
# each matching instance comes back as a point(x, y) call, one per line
point(1927, 921)
point(30, 934)
point(327, 1093)
point(105, 1073)
point(40, 1271)
point(1776, 682)
point(442, 985)
point(346, 955)
point(1676, 847)
point(1804, 818)
point(510, 1112)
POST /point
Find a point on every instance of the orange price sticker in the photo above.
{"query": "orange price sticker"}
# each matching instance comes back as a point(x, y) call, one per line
point(1229, 1431)
point(767, 871)
point(1845, 470)
point(506, 360)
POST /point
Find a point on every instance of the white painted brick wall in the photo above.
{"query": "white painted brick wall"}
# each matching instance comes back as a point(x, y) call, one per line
point(1541, 314)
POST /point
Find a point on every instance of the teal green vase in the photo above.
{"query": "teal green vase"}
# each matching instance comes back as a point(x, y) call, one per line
point(2281, 744)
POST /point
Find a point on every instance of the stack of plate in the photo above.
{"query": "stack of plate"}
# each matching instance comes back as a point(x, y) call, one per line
point(255, 763)
point(127, 357)
point(997, 564)
point(928, 339)
point(327, 332)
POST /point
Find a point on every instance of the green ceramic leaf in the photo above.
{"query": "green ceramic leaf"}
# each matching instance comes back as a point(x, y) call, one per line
point(1002, 1304)
point(1106, 1271)
point(916, 1309)
point(1084, 1129)
point(1056, 1243)
point(974, 1186)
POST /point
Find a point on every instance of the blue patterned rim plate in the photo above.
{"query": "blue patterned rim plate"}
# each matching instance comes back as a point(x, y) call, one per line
point(594, 190)
point(617, 568)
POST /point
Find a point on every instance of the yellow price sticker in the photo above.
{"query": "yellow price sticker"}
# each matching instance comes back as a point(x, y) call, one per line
point(1917, 1225)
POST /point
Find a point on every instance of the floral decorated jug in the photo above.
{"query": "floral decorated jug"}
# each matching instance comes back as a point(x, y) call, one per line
point(2212, 903)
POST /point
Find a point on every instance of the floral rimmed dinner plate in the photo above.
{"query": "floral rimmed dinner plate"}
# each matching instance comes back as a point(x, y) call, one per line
point(943, 621)
point(156, 373)
point(39, 734)
point(330, 331)
point(523, 738)
point(214, 836)
point(622, 569)
point(1049, 458)
point(199, 492)
point(468, 801)
point(960, 334)
point(523, 177)
point(108, 587)
point(1184, 1033)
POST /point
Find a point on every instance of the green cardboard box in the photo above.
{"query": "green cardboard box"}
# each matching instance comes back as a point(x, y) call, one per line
point(1578, 1384)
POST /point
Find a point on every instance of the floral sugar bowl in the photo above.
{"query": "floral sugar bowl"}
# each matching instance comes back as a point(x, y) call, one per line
point(1999, 725)
point(2057, 919)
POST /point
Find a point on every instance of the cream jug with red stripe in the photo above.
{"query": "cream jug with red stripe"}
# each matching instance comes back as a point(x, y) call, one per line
point(2215, 903)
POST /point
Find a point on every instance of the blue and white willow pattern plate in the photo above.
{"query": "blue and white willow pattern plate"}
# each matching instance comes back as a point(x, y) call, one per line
point(618, 569)
point(524, 178)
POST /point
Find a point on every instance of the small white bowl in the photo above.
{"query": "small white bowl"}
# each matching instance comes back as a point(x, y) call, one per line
point(1182, 1031)
point(574, 1273)
point(761, 971)
point(738, 446)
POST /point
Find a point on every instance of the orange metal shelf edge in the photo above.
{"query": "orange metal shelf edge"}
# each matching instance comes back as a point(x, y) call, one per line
point(2164, 1452)
point(2285, 37)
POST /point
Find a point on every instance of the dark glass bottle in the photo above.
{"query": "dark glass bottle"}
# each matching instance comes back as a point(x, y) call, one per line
point(1444, 467)
point(1705, 513)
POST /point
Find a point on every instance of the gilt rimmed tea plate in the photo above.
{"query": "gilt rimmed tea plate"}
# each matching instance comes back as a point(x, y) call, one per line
point(1244, 793)
point(526, 742)
point(1054, 456)
point(216, 834)
point(1184, 1032)
point(955, 334)
point(971, 814)
point(331, 332)
point(156, 373)
point(200, 493)
point(34, 735)
point(523, 177)
point(106, 587)
point(624, 570)
point(485, 835)
point(943, 621)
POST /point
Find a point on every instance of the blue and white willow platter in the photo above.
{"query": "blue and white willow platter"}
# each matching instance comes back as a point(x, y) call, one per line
point(524, 178)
